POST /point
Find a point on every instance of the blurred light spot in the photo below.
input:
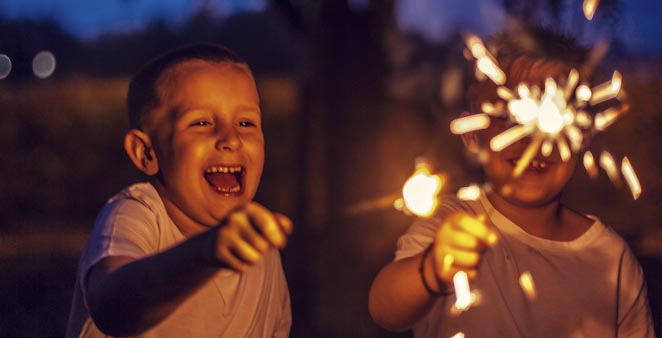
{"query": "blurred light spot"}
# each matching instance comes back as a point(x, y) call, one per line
point(5, 66)
point(631, 178)
point(463, 298)
point(458, 335)
point(526, 282)
point(469, 193)
point(43, 64)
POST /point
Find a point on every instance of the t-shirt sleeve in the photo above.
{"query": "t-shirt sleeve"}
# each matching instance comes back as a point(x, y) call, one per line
point(421, 233)
point(634, 315)
point(125, 227)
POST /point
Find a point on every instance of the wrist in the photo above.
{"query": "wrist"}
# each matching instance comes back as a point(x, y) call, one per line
point(431, 282)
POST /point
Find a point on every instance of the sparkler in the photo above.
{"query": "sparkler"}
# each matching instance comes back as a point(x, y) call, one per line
point(420, 196)
point(554, 116)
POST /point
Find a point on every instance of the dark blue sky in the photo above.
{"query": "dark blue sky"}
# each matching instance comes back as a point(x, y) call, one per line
point(639, 26)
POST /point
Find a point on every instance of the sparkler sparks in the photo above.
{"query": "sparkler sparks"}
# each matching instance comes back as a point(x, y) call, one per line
point(589, 8)
point(631, 178)
point(420, 191)
point(463, 296)
point(556, 116)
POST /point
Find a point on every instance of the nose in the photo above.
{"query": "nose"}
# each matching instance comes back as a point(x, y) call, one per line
point(228, 139)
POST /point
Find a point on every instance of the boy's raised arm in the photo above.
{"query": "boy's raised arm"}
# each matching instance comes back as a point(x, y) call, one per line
point(127, 296)
point(405, 290)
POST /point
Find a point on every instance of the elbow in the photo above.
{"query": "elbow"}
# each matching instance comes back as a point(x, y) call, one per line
point(383, 317)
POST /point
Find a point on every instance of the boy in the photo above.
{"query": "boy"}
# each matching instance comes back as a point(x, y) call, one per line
point(187, 254)
point(587, 281)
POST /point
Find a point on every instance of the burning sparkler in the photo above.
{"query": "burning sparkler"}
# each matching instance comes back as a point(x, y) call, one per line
point(555, 116)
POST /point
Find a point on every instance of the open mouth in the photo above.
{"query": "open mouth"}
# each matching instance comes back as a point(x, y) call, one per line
point(535, 164)
point(226, 180)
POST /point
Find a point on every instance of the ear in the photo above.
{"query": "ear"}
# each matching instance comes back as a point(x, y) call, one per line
point(138, 146)
point(470, 139)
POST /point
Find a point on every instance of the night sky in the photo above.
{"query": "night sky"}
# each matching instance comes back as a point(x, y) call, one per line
point(638, 26)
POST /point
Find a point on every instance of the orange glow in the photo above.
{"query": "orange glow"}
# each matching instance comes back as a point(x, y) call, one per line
point(589, 7)
point(470, 123)
point(463, 297)
point(589, 165)
point(469, 193)
point(609, 165)
point(420, 191)
point(527, 285)
point(631, 178)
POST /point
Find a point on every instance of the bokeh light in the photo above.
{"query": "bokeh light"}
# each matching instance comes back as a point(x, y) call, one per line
point(5, 66)
point(43, 64)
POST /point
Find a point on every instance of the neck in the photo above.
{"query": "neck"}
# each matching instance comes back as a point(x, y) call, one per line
point(549, 221)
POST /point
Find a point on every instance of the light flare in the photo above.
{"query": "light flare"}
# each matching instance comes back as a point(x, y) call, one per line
point(609, 166)
point(470, 123)
point(463, 296)
point(420, 191)
point(527, 285)
point(631, 178)
point(469, 193)
point(589, 7)
point(589, 165)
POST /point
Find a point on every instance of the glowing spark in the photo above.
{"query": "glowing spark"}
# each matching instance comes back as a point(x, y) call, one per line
point(458, 335)
point(631, 178)
point(564, 150)
point(583, 93)
point(485, 62)
point(547, 148)
point(469, 193)
point(508, 137)
point(607, 90)
point(505, 93)
point(589, 8)
point(529, 153)
point(606, 118)
point(609, 165)
point(420, 191)
point(527, 285)
point(573, 78)
point(550, 119)
point(463, 297)
point(525, 110)
point(589, 165)
point(491, 70)
point(575, 136)
point(470, 123)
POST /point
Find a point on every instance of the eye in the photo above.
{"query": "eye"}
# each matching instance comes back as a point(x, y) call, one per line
point(247, 124)
point(201, 123)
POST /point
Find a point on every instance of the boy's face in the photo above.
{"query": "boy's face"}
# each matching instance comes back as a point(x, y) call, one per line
point(207, 137)
point(540, 183)
point(546, 176)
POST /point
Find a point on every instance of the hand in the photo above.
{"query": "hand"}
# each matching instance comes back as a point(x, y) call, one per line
point(248, 233)
point(459, 244)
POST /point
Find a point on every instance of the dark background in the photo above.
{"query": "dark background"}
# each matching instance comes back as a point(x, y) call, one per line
point(351, 96)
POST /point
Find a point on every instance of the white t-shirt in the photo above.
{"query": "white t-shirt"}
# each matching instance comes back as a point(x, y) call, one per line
point(134, 223)
point(592, 286)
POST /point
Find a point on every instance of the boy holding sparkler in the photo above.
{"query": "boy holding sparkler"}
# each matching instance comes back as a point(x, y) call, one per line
point(188, 254)
point(537, 268)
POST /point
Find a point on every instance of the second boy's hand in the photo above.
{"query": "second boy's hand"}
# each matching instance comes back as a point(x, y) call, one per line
point(247, 234)
point(459, 244)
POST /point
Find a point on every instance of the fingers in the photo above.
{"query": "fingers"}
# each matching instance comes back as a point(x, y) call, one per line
point(269, 224)
point(248, 234)
point(459, 244)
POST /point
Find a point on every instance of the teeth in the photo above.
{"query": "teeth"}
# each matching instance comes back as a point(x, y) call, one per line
point(233, 189)
point(224, 170)
point(534, 164)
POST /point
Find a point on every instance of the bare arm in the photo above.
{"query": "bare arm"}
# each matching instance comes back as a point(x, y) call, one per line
point(127, 296)
point(398, 297)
